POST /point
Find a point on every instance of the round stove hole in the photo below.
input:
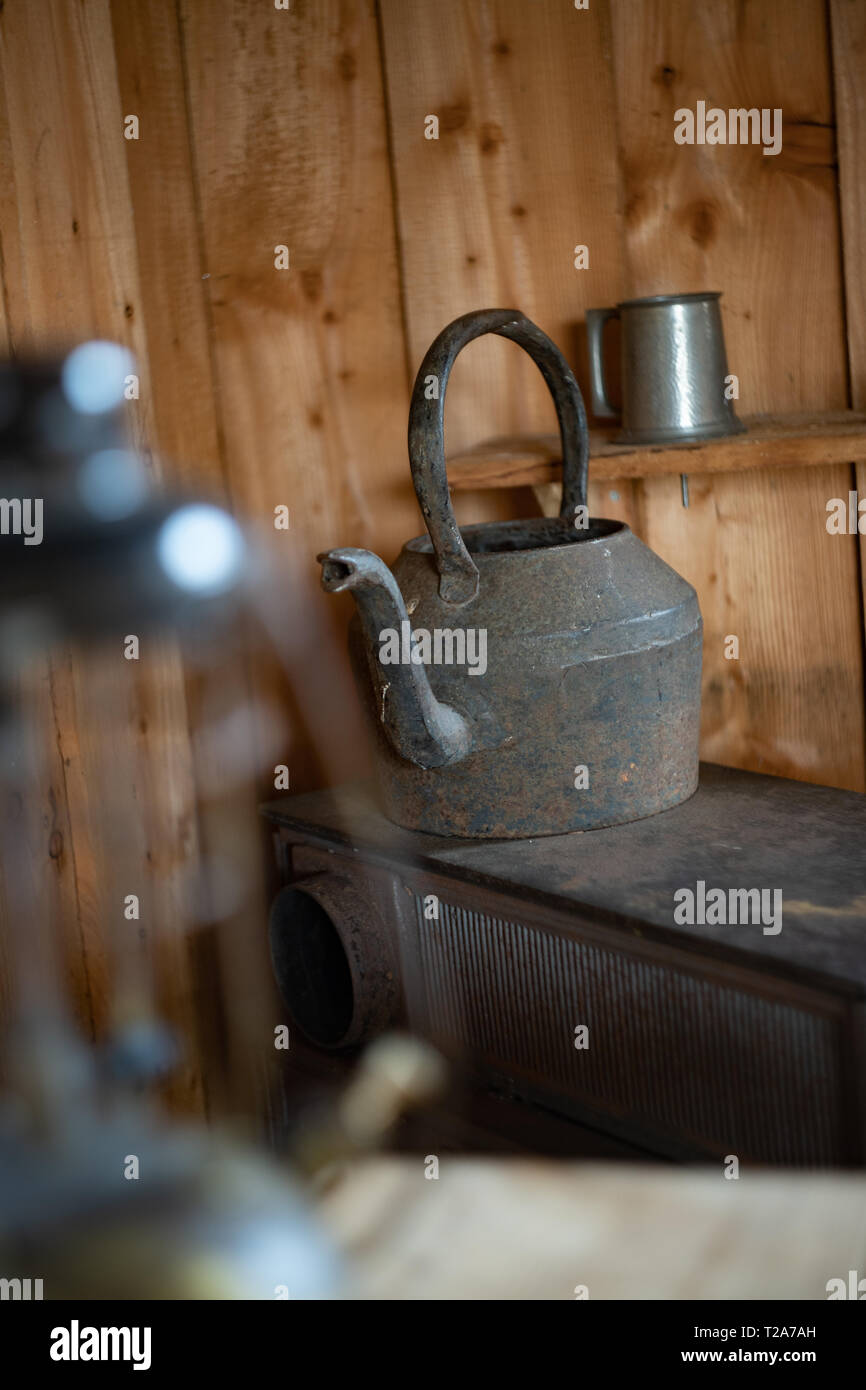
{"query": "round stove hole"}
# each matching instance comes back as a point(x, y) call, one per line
point(311, 967)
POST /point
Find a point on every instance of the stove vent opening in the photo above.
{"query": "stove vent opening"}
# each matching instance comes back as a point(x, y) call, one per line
point(311, 967)
point(334, 961)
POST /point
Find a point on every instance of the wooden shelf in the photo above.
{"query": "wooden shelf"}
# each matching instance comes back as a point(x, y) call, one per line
point(793, 441)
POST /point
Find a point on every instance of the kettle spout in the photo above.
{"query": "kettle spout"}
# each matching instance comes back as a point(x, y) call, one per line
point(420, 728)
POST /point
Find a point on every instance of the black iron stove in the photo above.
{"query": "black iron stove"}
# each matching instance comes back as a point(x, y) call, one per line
point(591, 973)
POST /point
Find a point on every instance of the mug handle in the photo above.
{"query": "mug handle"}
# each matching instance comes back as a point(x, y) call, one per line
point(458, 574)
point(595, 321)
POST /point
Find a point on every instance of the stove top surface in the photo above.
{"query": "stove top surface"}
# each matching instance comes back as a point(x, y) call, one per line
point(740, 830)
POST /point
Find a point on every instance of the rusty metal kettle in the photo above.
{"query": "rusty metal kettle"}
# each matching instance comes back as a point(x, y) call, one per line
point(526, 677)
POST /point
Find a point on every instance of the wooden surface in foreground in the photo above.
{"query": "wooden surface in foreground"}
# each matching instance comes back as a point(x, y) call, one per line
point(515, 1229)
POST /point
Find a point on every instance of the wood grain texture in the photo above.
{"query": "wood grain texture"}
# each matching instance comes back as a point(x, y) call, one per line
point(524, 170)
point(848, 25)
point(765, 231)
point(177, 413)
point(290, 149)
point(70, 271)
point(796, 442)
point(179, 421)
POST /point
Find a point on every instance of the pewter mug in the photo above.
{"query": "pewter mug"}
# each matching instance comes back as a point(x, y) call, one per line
point(674, 369)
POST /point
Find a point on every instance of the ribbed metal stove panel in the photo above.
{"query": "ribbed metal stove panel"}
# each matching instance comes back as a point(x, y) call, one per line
point(699, 1061)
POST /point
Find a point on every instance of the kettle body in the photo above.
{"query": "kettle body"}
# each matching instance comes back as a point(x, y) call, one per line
point(529, 677)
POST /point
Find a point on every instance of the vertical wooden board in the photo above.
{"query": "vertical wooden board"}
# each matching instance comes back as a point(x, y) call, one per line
point(44, 870)
point(848, 25)
point(38, 891)
point(72, 273)
point(74, 262)
point(290, 150)
point(524, 170)
point(178, 409)
point(764, 230)
point(187, 418)
point(180, 419)
point(8, 212)
point(7, 923)
point(39, 267)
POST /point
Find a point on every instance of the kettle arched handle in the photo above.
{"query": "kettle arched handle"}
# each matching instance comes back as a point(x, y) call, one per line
point(458, 575)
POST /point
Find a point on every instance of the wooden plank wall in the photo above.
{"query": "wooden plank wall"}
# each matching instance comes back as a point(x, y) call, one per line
point(305, 127)
point(728, 217)
point(849, 68)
